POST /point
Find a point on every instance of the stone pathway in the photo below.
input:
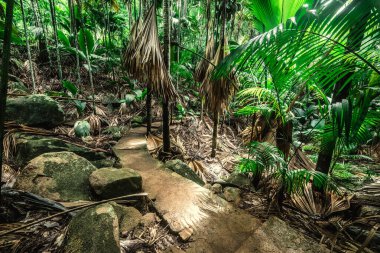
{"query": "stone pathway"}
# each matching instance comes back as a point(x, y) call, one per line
point(215, 225)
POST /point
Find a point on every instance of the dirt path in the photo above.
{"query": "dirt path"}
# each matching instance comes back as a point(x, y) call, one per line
point(188, 208)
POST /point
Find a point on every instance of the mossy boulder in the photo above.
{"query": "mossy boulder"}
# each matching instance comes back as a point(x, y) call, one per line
point(239, 180)
point(184, 170)
point(31, 146)
point(232, 194)
point(129, 217)
point(60, 176)
point(94, 230)
point(112, 182)
point(34, 110)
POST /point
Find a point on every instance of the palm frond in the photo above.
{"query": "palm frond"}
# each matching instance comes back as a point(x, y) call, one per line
point(203, 65)
point(315, 46)
point(219, 91)
point(144, 60)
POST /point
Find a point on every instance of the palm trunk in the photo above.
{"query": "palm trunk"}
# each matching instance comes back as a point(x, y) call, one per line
point(215, 134)
point(148, 106)
point(165, 102)
point(4, 77)
point(54, 23)
point(216, 113)
point(284, 138)
point(341, 91)
point(28, 45)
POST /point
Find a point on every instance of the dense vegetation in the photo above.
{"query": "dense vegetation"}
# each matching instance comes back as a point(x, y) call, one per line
point(298, 81)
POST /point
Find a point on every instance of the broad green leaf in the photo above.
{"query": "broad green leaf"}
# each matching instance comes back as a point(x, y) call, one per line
point(70, 87)
point(85, 38)
point(63, 38)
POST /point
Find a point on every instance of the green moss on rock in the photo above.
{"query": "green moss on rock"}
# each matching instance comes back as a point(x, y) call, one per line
point(184, 170)
point(31, 146)
point(34, 110)
point(94, 230)
point(129, 217)
point(61, 176)
point(112, 182)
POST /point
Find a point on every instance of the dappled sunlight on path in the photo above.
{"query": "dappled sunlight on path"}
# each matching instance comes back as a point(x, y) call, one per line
point(215, 224)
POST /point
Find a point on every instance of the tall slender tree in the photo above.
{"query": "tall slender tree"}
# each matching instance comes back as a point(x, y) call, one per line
point(4, 77)
point(165, 101)
point(55, 33)
point(30, 65)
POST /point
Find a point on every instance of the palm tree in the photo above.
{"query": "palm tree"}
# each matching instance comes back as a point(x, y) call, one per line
point(306, 53)
point(4, 76)
point(218, 91)
point(342, 87)
point(144, 61)
point(165, 102)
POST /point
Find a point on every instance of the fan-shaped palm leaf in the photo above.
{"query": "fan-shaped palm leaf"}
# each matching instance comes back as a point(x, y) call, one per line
point(145, 60)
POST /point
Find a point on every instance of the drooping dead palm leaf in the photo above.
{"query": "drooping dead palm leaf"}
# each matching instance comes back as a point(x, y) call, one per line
point(144, 60)
point(9, 145)
point(203, 65)
point(129, 65)
point(218, 91)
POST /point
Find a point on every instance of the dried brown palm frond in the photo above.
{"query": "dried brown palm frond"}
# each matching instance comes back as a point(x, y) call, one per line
point(199, 168)
point(315, 205)
point(9, 145)
point(154, 143)
point(144, 60)
point(218, 91)
point(95, 122)
point(9, 176)
point(203, 65)
point(131, 49)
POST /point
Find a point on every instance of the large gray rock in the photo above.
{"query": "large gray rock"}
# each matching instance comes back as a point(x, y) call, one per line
point(275, 236)
point(232, 194)
point(31, 146)
point(60, 176)
point(184, 170)
point(34, 110)
point(129, 217)
point(239, 180)
point(111, 182)
point(94, 230)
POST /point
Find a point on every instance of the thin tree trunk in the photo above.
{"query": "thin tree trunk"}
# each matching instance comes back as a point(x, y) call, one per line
point(54, 23)
point(148, 106)
point(75, 33)
point(88, 60)
point(4, 78)
point(341, 91)
point(284, 137)
point(216, 113)
point(28, 45)
point(215, 134)
point(44, 50)
point(165, 102)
